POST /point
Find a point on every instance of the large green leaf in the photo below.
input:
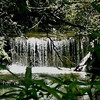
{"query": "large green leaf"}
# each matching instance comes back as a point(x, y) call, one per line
point(95, 35)
point(28, 77)
point(28, 74)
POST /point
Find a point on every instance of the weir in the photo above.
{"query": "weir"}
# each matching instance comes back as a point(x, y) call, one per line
point(41, 52)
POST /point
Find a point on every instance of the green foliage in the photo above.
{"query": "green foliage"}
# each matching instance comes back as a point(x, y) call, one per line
point(2, 66)
point(31, 89)
point(4, 58)
point(60, 87)
point(95, 35)
point(96, 6)
point(95, 49)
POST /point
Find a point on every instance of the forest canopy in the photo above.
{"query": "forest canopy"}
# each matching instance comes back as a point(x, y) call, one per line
point(17, 16)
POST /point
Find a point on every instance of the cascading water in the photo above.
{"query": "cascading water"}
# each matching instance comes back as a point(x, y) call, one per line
point(43, 52)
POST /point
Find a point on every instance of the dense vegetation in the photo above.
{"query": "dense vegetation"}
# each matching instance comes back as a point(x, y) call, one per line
point(44, 14)
point(19, 16)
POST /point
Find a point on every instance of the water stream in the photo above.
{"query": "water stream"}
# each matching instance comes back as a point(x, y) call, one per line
point(42, 52)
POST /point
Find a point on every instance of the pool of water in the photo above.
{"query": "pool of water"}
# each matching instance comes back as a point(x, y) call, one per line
point(17, 69)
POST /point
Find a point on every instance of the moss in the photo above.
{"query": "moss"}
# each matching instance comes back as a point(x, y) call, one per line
point(40, 34)
point(35, 34)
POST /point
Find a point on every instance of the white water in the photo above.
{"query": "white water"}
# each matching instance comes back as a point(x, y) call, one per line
point(42, 70)
point(40, 52)
point(37, 52)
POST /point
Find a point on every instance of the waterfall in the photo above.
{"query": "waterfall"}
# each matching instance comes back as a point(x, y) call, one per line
point(42, 52)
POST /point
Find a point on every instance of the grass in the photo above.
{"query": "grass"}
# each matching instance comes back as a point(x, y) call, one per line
point(9, 77)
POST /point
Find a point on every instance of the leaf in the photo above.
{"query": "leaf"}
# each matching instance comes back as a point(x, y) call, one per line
point(96, 6)
point(28, 77)
point(10, 94)
point(21, 95)
point(95, 35)
point(94, 83)
point(2, 66)
point(28, 74)
point(52, 91)
point(33, 92)
point(83, 90)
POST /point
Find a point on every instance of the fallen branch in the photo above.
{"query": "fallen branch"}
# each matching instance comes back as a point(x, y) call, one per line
point(82, 65)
